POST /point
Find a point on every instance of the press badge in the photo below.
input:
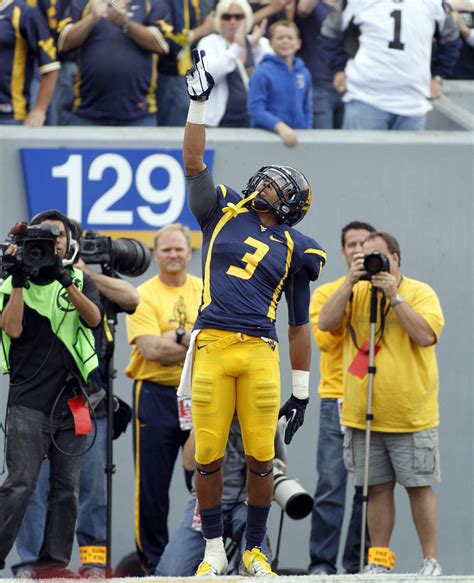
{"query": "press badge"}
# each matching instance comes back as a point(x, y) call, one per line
point(184, 412)
point(360, 365)
point(80, 412)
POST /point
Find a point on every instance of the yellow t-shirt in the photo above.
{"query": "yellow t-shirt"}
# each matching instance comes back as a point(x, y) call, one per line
point(330, 344)
point(161, 308)
point(405, 388)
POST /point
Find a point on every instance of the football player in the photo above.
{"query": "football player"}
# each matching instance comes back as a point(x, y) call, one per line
point(251, 255)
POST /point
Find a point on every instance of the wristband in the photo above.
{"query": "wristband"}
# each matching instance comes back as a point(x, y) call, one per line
point(301, 384)
point(196, 112)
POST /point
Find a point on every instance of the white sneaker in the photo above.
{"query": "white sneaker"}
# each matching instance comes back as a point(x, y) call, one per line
point(375, 569)
point(213, 565)
point(430, 568)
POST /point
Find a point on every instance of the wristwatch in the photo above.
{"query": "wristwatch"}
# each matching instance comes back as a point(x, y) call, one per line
point(399, 299)
point(125, 27)
point(180, 332)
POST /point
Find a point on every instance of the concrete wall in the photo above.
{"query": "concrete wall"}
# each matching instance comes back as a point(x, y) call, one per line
point(418, 187)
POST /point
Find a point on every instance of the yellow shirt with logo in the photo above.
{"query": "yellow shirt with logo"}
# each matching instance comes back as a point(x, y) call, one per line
point(405, 388)
point(330, 344)
point(161, 308)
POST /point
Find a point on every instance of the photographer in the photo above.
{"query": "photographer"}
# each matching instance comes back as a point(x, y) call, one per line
point(48, 350)
point(116, 296)
point(188, 534)
point(404, 445)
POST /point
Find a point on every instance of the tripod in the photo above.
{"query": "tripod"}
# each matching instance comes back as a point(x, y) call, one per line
point(368, 417)
point(109, 466)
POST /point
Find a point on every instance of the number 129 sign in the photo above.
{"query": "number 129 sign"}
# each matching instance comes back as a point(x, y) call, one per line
point(122, 192)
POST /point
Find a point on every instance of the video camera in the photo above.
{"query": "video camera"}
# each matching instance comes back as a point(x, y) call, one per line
point(36, 248)
point(374, 263)
point(126, 256)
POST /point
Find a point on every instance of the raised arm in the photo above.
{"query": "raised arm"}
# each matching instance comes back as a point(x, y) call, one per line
point(200, 84)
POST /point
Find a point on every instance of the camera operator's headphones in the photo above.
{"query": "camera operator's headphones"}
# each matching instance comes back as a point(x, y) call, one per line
point(55, 215)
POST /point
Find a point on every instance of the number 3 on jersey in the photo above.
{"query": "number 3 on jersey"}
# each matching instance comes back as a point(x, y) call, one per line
point(251, 259)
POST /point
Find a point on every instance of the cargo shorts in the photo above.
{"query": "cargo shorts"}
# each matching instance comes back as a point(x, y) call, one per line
point(411, 459)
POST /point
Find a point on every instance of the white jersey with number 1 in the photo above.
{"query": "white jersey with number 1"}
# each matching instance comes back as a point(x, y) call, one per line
point(391, 69)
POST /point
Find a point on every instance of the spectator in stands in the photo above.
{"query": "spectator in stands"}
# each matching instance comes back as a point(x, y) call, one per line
point(24, 41)
point(60, 107)
point(272, 10)
point(387, 78)
point(232, 55)
point(464, 68)
point(328, 107)
point(280, 94)
point(186, 27)
point(118, 45)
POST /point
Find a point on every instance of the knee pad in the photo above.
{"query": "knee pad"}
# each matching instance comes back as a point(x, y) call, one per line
point(208, 448)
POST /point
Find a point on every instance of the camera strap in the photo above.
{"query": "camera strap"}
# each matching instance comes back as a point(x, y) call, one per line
point(378, 333)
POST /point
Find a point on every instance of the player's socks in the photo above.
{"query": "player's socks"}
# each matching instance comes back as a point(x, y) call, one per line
point(256, 525)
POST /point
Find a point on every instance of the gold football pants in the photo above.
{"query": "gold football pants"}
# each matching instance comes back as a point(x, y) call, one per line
point(234, 372)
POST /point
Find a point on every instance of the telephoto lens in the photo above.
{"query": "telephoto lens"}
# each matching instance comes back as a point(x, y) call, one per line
point(130, 257)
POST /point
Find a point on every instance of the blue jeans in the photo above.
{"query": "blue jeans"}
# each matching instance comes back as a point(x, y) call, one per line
point(6, 120)
point(362, 116)
point(328, 107)
point(78, 120)
point(185, 549)
point(60, 108)
point(330, 498)
point(92, 514)
point(29, 441)
point(172, 100)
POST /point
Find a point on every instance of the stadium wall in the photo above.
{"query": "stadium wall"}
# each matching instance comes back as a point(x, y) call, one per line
point(417, 186)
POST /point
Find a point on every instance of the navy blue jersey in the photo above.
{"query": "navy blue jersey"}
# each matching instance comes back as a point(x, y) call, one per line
point(185, 15)
point(116, 78)
point(247, 266)
point(24, 39)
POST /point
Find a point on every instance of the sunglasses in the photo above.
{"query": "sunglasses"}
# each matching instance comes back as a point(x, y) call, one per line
point(233, 16)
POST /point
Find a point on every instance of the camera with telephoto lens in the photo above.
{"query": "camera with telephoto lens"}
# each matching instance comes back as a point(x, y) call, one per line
point(289, 493)
point(126, 256)
point(35, 248)
point(374, 263)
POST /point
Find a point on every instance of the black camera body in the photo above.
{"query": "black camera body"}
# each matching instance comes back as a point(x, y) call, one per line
point(125, 256)
point(36, 248)
point(374, 263)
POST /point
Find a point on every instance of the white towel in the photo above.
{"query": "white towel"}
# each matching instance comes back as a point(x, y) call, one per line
point(184, 389)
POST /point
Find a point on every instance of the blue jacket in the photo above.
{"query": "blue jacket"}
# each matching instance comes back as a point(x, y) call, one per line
point(277, 93)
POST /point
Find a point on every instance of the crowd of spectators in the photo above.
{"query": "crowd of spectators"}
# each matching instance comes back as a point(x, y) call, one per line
point(122, 62)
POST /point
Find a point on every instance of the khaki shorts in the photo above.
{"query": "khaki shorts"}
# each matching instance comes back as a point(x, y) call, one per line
point(411, 459)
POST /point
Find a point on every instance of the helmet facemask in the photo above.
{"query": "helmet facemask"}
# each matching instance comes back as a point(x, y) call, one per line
point(289, 206)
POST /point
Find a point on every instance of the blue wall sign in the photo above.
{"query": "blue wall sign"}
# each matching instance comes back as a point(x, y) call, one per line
point(119, 192)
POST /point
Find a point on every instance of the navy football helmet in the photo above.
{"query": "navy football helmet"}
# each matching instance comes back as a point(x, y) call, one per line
point(292, 188)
